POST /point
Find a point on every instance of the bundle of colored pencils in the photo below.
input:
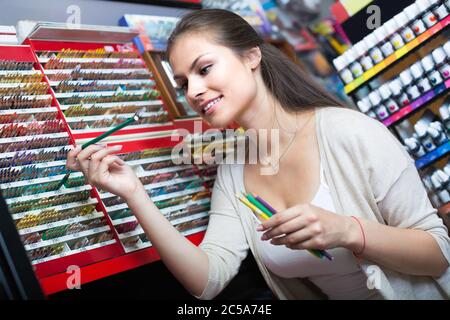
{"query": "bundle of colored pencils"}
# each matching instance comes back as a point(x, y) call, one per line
point(264, 210)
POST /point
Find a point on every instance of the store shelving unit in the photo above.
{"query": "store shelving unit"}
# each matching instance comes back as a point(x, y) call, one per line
point(398, 55)
point(37, 156)
point(426, 100)
point(74, 69)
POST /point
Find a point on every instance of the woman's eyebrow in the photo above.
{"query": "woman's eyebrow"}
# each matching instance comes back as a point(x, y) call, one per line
point(192, 66)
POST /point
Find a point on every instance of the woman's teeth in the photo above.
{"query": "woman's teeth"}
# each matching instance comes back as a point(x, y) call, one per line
point(211, 104)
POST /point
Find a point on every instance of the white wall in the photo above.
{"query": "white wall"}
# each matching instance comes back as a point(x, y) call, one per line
point(98, 12)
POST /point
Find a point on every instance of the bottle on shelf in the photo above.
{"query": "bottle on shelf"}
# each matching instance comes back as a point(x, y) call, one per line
point(364, 58)
point(354, 65)
point(397, 92)
point(372, 44)
point(445, 115)
point(381, 36)
point(440, 181)
point(447, 169)
point(414, 147)
point(388, 101)
point(440, 59)
point(408, 84)
point(427, 15)
point(437, 133)
point(405, 30)
point(431, 71)
point(395, 38)
point(379, 108)
point(422, 82)
point(439, 9)
point(365, 107)
point(431, 191)
point(415, 22)
point(446, 48)
point(341, 65)
point(424, 137)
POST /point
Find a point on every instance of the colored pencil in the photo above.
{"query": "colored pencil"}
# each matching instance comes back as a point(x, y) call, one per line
point(258, 204)
point(127, 122)
point(318, 253)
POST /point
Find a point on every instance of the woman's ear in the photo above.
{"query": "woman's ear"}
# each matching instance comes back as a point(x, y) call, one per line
point(253, 57)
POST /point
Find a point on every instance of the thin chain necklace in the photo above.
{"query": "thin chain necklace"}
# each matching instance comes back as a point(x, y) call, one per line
point(294, 133)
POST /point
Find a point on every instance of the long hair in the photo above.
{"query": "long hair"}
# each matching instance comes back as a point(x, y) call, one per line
point(289, 84)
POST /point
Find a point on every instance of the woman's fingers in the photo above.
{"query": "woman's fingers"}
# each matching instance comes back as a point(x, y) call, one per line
point(282, 217)
point(295, 224)
point(72, 161)
point(97, 157)
point(294, 238)
point(107, 162)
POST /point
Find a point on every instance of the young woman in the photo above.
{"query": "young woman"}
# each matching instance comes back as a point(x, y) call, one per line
point(344, 183)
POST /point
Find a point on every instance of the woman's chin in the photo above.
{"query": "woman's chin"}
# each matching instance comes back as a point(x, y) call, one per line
point(218, 122)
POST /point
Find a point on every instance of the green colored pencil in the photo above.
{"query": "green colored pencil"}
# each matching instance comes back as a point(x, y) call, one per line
point(127, 122)
point(258, 204)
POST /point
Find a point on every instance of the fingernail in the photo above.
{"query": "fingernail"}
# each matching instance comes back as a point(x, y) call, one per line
point(259, 228)
point(102, 145)
point(264, 237)
point(116, 147)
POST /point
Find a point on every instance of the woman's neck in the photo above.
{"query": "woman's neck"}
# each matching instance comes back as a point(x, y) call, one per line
point(266, 114)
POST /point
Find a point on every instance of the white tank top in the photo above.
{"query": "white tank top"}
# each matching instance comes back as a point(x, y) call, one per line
point(341, 278)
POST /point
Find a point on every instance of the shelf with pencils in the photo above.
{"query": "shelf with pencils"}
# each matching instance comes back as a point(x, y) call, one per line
point(64, 206)
point(398, 55)
point(102, 82)
point(95, 91)
point(61, 223)
point(74, 252)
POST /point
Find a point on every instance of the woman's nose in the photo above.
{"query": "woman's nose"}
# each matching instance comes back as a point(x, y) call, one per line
point(195, 89)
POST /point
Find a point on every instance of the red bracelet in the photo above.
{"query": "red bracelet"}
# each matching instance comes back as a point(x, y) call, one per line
point(364, 238)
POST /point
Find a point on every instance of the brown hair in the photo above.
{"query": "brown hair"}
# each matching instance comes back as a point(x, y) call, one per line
point(290, 85)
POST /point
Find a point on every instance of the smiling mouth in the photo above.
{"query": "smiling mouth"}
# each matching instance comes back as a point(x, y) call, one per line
point(211, 104)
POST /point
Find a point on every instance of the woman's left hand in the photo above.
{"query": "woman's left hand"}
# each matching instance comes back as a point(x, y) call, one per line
point(306, 226)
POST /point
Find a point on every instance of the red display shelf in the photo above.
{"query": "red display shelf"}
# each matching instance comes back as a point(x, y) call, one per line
point(96, 271)
point(111, 258)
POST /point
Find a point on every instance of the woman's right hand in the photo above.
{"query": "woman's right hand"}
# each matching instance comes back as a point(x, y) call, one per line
point(104, 170)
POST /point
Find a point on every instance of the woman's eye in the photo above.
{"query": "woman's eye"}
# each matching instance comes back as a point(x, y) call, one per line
point(182, 87)
point(205, 70)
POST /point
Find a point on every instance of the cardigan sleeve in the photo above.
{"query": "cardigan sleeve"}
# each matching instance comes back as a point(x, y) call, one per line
point(225, 243)
point(406, 205)
point(390, 172)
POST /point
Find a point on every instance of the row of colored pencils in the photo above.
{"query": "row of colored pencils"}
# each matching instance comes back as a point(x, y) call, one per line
point(261, 208)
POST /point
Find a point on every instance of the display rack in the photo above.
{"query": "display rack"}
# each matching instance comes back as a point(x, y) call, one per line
point(398, 55)
point(51, 219)
point(77, 224)
point(394, 64)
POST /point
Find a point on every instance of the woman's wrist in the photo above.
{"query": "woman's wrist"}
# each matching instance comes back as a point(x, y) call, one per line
point(354, 240)
point(138, 195)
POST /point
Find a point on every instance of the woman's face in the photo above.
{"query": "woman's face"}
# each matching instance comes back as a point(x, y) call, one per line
point(218, 84)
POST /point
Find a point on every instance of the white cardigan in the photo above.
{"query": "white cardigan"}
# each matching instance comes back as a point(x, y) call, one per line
point(370, 175)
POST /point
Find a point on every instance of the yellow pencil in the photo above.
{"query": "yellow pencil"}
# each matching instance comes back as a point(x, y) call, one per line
point(252, 207)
